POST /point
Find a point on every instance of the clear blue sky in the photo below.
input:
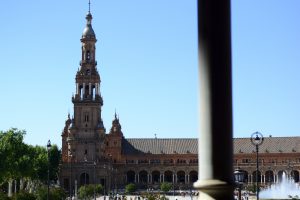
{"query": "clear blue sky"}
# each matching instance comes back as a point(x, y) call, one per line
point(147, 59)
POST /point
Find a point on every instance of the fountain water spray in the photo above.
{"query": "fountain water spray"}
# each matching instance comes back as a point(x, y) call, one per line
point(284, 190)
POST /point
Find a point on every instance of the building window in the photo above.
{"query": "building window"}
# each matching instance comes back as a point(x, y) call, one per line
point(194, 161)
point(130, 161)
point(88, 55)
point(86, 117)
point(168, 161)
point(181, 161)
point(154, 161)
point(142, 161)
point(246, 160)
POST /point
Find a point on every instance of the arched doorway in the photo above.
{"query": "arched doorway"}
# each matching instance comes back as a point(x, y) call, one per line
point(280, 175)
point(168, 176)
point(269, 176)
point(143, 176)
point(254, 176)
point(155, 177)
point(180, 177)
point(130, 176)
point(193, 176)
point(84, 179)
point(295, 175)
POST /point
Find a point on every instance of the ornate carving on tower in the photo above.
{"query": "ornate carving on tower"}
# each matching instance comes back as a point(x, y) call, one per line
point(114, 141)
point(116, 127)
point(65, 134)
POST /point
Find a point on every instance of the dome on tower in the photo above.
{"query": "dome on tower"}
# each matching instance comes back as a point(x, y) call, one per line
point(88, 31)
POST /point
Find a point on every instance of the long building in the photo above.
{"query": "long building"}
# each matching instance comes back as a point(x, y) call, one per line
point(90, 154)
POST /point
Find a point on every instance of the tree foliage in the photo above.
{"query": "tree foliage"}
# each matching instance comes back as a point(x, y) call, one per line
point(165, 186)
point(87, 191)
point(24, 196)
point(13, 154)
point(54, 193)
point(130, 188)
point(20, 161)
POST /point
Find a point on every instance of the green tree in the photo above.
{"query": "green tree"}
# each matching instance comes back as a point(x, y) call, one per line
point(165, 186)
point(19, 161)
point(87, 191)
point(13, 154)
point(40, 163)
point(54, 159)
point(130, 188)
point(54, 193)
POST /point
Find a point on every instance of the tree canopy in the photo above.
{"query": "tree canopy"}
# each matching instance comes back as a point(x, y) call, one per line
point(19, 160)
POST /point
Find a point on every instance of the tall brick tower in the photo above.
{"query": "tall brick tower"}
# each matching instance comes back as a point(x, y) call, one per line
point(83, 138)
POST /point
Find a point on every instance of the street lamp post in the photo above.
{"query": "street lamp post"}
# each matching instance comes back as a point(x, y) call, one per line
point(85, 161)
point(48, 152)
point(239, 179)
point(94, 180)
point(116, 186)
point(70, 189)
point(173, 178)
point(257, 139)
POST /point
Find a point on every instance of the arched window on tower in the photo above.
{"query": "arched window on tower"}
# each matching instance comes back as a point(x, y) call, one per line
point(88, 56)
point(80, 91)
point(93, 92)
point(86, 117)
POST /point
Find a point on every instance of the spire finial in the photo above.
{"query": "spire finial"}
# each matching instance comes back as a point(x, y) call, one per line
point(89, 6)
point(115, 113)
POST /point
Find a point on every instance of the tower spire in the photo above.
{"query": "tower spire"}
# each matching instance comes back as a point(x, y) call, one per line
point(89, 6)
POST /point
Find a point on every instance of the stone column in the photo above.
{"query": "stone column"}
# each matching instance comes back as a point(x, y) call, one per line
point(90, 88)
point(215, 141)
point(15, 181)
point(188, 178)
point(10, 183)
point(274, 177)
point(160, 178)
point(135, 178)
point(77, 88)
point(249, 178)
point(97, 88)
point(138, 177)
point(173, 178)
point(76, 189)
point(83, 90)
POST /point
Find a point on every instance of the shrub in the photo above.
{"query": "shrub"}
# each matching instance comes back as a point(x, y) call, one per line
point(54, 193)
point(24, 196)
point(87, 191)
point(4, 196)
point(165, 186)
point(130, 188)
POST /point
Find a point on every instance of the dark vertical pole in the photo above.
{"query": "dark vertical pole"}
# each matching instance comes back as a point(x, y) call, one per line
point(70, 178)
point(94, 180)
point(215, 141)
point(48, 182)
point(257, 187)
